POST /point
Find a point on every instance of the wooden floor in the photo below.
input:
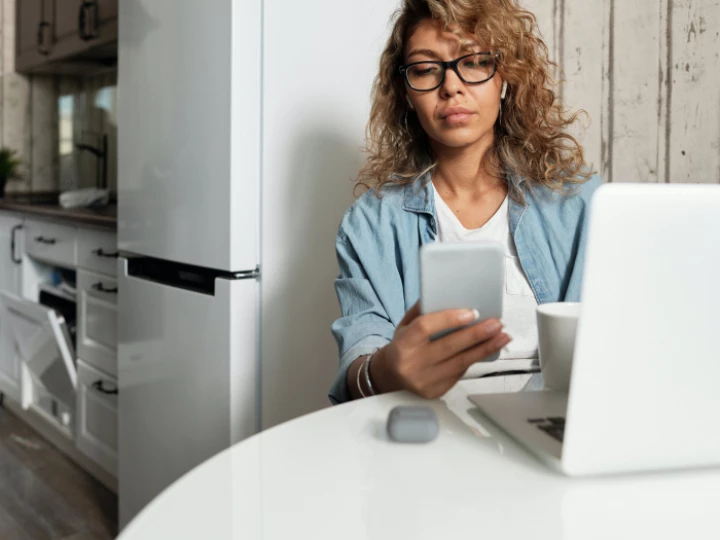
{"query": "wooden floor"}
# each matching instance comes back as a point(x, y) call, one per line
point(45, 495)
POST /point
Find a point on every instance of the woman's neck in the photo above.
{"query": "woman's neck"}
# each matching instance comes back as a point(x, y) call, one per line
point(460, 172)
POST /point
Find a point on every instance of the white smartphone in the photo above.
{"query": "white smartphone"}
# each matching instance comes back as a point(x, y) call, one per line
point(459, 276)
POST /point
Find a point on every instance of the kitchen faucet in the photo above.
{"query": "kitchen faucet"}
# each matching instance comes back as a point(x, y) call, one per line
point(100, 154)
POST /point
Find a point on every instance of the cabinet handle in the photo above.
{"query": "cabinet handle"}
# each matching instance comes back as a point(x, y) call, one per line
point(42, 49)
point(109, 255)
point(85, 20)
point(43, 240)
point(100, 287)
point(98, 385)
point(15, 229)
point(42, 25)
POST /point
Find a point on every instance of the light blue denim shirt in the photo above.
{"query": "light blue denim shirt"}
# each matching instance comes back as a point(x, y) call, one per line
point(378, 247)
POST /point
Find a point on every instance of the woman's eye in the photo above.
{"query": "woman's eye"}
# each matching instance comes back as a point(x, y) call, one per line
point(423, 71)
point(474, 64)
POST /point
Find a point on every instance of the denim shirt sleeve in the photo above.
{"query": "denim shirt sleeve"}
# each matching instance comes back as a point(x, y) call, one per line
point(364, 324)
point(572, 293)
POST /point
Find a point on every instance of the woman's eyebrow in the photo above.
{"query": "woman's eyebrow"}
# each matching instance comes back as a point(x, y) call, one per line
point(469, 45)
point(424, 52)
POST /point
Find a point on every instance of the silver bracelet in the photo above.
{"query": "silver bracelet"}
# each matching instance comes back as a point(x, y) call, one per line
point(366, 368)
point(358, 382)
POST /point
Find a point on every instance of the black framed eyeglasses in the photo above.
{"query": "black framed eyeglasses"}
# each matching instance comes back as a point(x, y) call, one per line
point(474, 68)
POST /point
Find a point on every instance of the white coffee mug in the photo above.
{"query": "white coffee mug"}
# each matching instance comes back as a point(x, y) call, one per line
point(557, 323)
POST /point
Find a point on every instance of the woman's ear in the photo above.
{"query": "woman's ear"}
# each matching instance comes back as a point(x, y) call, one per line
point(503, 92)
point(409, 102)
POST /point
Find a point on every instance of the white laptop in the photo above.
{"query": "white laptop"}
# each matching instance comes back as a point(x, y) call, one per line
point(645, 388)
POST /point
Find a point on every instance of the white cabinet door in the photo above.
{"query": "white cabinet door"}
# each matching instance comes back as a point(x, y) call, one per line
point(11, 249)
point(97, 320)
point(43, 343)
point(97, 423)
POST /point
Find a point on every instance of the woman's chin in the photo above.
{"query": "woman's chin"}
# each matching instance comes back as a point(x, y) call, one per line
point(458, 140)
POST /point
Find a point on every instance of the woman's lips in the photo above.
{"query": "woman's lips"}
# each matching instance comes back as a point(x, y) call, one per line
point(456, 115)
point(457, 118)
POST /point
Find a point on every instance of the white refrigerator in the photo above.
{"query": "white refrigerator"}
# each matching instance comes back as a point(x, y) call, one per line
point(241, 124)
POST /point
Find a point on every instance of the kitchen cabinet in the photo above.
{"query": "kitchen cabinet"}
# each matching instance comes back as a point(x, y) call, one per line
point(42, 339)
point(11, 250)
point(52, 243)
point(33, 36)
point(83, 19)
point(58, 334)
point(97, 251)
point(97, 328)
point(66, 36)
point(97, 421)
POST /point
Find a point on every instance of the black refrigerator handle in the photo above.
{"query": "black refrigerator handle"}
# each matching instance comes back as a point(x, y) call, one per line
point(182, 276)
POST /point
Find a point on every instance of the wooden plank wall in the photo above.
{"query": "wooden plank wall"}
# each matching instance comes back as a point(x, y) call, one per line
point(648, 74)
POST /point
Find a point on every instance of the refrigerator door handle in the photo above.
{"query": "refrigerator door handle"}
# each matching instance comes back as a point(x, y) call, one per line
point(182, 276)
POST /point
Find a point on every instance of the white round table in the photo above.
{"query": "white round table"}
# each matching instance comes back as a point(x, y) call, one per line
point(335, 475)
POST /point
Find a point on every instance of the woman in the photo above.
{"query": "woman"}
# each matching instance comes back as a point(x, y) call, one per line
point(466, 142)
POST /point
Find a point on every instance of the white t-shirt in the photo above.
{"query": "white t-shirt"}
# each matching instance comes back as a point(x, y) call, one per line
point(519, 304)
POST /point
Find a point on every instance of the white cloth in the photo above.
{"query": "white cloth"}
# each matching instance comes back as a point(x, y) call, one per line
point(519, 303)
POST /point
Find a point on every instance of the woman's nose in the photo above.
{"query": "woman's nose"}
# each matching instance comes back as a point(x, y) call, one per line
point(452, 84)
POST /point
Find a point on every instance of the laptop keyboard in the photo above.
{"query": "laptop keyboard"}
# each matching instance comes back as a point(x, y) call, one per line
point(553, 426)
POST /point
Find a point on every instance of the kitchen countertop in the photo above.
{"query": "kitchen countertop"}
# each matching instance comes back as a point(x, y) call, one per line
point(46, 206)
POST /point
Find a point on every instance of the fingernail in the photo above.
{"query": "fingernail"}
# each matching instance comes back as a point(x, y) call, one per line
point(506, 339)
point(469, 315)
point(494, 326)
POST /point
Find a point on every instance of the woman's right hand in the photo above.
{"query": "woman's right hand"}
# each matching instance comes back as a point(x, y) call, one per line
point(430, 368)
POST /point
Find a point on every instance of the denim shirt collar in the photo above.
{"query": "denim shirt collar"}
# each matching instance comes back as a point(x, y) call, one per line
point(418, 198)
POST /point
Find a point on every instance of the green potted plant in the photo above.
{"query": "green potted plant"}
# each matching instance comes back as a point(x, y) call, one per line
point(9, 167)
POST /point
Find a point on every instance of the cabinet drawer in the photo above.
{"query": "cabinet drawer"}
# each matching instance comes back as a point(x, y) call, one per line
point(52, 243)
point(96, 422)
point(97, 250)
point(97, 320)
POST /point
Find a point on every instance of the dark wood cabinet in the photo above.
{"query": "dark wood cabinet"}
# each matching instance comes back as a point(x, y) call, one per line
point(34, 24)
point(66, 19)
point(66, 36)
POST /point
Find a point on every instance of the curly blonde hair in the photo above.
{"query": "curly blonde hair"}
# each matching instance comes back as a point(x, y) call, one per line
point(531, 140)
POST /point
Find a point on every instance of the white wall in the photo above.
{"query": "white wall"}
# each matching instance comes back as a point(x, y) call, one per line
point(317, 92)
